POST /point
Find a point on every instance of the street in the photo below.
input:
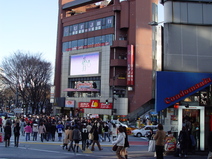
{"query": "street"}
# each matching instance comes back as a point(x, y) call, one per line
point(53, 150)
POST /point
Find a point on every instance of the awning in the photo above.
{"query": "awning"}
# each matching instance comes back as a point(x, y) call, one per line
point(81, 90)
point(172, 87)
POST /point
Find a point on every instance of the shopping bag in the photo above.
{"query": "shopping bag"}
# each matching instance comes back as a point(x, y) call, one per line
point(151, 147)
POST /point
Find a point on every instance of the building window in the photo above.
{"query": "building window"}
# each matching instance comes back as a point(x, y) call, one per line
point(75, 29)
point(90, 42)
point(66, 31)
point(65, 47)
point(98, 24)
point(109, 22)
point(81, 28)
point(80, 44)
point(91, 26)
point(74, 45)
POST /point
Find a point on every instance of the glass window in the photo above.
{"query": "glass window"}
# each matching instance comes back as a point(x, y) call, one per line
point(109, 39)
point(75, 29)
point(70, 30)
point(65, 47)
point(90, 42)
point(98, 41)
point(85, 43)
point(80, 44)
point(86, 26)
point(103, 40)
point(98, 24)
point(66, 31)
point(74, 45)
point(81, 28)
point(69, 46)
point(103, 23)
point(109, 22)
point(91, 26)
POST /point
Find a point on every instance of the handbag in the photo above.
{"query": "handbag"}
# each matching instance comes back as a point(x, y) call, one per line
point(151, 147)
point(90, 136)
point(114, 148)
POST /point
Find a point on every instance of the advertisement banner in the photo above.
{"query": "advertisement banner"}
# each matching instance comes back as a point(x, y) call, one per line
point(69, 103)
point(95, 104)
point(130, 65)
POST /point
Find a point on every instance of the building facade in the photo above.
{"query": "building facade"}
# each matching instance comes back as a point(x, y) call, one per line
point(104, 61)
point(183, 87)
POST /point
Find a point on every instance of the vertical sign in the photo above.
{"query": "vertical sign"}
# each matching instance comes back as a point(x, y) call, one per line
point(130, 65)
point(52, 94)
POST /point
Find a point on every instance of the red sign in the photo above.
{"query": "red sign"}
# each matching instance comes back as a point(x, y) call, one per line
point(95, 104)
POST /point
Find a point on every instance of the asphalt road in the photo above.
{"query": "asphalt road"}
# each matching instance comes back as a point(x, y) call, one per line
point(53, 150)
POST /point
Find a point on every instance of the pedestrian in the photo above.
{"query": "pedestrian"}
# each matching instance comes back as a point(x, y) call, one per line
point(210, 145)
point(22, 124)
point(53, 130)
point(76, 136)
point(184, 140)
point(60, 128)
point(106, 131)
point(84, 137)
point(28, 130)
point(35, 131)
point(16, 131)
point(114, 131)
point(95, 133)
point(120, 141)
point(66, 137)
point(159, 144)
point(149, 134)
point(7, 134)
point(126, 143)
point(70, 134)
point(41, 131)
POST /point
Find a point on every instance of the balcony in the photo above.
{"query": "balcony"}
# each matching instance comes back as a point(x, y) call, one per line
point(118, 62)
point(119, 81)
point(119, 43)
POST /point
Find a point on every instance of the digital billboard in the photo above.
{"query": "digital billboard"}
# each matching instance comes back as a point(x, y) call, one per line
point(84, 64)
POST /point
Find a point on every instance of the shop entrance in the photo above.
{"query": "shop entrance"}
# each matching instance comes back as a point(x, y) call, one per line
point(194, 118)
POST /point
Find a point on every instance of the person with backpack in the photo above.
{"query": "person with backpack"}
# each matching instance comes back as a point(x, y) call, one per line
point(184, 142)
point(60, 128)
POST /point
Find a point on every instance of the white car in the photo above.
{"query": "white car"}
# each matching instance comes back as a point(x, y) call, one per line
point(143, 131)
point(118, 123)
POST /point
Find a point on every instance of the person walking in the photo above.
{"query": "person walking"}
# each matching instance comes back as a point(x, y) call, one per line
point(66, 137)
point(28, 130)
point(106, 131)
point(60, 128)
point(41, 130)
point(159, 144)
point(84, 137)
point(7, 133)
point(95, 133)
point(34, 131)
point(184, 140)
point(16, 131)
point(53, 130)
point(76, 136)
point(126, 143)
point(120, 141)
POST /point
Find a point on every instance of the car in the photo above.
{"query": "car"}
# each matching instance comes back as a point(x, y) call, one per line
point(118, 123)
point(143, 131)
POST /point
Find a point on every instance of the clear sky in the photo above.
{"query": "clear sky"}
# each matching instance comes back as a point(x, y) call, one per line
point(31, 26)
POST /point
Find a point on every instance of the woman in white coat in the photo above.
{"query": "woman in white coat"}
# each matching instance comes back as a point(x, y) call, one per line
point(120, 141)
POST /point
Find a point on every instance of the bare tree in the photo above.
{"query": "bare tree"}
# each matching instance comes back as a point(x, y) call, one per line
point(29, 77)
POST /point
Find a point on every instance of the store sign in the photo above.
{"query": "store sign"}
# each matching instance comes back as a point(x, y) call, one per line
point(69, 103)
point(95, 104)
point(171, 87)
point(130, 65)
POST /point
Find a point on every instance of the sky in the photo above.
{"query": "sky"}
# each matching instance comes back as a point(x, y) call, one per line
point(31, 26)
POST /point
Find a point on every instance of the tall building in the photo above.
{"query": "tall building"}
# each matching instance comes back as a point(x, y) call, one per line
point(104, 61)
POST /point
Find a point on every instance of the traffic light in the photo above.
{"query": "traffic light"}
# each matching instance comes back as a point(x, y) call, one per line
point(106, 101)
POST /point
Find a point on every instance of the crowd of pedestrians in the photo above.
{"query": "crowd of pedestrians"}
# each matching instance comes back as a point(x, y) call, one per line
point(72, 131)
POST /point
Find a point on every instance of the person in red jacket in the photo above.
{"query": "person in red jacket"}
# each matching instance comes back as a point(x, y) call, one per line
point(28, 131)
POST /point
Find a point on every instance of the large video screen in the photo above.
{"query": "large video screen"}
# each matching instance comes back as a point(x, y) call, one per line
point(84, 64)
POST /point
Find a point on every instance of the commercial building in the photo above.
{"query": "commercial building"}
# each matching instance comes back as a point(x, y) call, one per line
point(183, 87)
point(104, 61)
